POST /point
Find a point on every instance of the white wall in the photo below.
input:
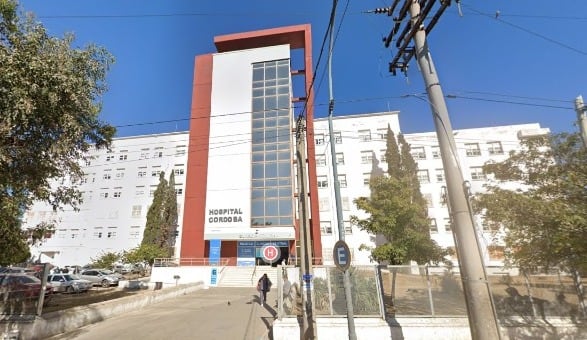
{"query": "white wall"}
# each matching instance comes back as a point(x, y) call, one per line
point(76, 239)
point(229, 160)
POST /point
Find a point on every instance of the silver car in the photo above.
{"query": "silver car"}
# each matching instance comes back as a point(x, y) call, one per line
point(99, 277)
point(67, 283)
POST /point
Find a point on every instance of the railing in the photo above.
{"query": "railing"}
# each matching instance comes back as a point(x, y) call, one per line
point(188, 261)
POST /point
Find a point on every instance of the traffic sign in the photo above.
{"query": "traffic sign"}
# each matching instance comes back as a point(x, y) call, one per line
point(270, 253)
point(341, 255)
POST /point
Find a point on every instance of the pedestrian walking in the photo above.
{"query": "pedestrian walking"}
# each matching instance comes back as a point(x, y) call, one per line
point(263, 286)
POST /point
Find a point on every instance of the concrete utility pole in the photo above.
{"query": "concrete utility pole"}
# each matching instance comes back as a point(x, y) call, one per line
point(481, 311)
point(308, 330)
point(582, 118)
point(339, 218)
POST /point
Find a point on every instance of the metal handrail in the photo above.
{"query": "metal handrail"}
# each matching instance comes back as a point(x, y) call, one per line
point(189, 261)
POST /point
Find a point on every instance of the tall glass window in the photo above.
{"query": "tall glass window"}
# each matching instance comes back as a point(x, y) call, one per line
point(271, 196)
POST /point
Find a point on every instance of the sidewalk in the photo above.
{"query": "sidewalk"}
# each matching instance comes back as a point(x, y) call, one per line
point(214, 313)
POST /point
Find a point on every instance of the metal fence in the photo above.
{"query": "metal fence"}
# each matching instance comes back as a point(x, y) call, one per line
point(328, 292)
point(429, 291)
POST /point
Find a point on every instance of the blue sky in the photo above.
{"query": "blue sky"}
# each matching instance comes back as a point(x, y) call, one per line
point(526, 66)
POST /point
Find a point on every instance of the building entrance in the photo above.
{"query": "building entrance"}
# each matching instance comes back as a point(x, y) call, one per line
point(250, 253)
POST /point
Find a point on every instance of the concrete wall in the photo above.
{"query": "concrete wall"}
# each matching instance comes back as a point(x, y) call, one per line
point(187, 275)
point(426, 328)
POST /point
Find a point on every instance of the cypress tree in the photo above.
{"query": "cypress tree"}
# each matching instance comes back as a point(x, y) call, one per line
point(153, 234)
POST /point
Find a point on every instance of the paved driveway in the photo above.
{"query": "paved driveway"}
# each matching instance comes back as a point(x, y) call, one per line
point(215, 313)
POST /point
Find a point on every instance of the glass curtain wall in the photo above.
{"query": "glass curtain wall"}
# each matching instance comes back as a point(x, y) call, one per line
point(271, 195)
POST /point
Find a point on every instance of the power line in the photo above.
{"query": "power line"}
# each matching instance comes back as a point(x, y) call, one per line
point(541, 36)
point(453, 96)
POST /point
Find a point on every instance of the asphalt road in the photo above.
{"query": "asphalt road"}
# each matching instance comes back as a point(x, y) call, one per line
point(215, 313)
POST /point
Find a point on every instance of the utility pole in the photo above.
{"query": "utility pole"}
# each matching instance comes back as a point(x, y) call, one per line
point(308, 330)
point(339, 219)
point(480, 308)
point(582, 118)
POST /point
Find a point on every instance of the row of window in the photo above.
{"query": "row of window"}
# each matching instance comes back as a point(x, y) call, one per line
point(423, 176)
point(364, 136)
point(98, 233)
point(144, 153)
point(140, 191)
point(447, 225)
point(142, 173)
point(471, 150)
point(326, 227)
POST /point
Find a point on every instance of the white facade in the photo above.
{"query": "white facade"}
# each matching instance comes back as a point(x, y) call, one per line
point(119, 184)
point(360, 153)
point(228, 197)
point(117, 191)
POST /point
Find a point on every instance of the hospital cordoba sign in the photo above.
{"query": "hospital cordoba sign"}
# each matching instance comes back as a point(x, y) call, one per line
point(231, 215)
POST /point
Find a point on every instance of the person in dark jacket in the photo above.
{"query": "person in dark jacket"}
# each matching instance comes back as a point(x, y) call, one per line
point(263, 286)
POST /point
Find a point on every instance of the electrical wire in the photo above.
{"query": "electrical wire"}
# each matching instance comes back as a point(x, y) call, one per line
point(523, 29)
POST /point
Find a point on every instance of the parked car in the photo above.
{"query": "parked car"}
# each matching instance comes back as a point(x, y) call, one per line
point(99, 277)
point(20, 285)
point(68, 283)
point(111, 273)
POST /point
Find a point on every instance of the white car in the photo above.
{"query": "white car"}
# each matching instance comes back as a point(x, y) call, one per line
point(99, 277)
point(67, 283)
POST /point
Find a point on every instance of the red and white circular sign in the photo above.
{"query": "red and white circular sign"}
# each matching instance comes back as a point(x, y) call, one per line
point(270, 253)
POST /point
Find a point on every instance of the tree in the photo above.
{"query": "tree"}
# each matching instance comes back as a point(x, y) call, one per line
point(398, 211)
point(50, 98)
point(545, 218)
point(106, 260)
point(144, 253)
point(162, 216)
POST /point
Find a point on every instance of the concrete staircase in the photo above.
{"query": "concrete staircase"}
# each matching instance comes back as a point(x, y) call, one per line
point(246, 276)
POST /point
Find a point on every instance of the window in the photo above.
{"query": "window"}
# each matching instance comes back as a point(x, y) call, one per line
point(433, 226)
point(382, 133)
point(179, 171)
point(180, 150)
point(322, 182)
point(325, 228)
point(423, 176)
point(107, 174)
point(104, 195)
point(382, 156)
point(319, 137)
point(339, 158)
point(418, 152)
point(119, 173)
point(97, 233)
point(472, 149)
point(439, 175)
point(155, 173)
point(324, 204)
point(111, 233)
point(135, 232)
point(337, 137)
point(117, 194)
point(428, 198)
point(109, 158)
point(123, 157)
point(477, 173)
point(141, 174)
point(139, 191)
point(144, 155)
point(136, 211)
point(364, 135)
point(346, 205)
point(321, 160)
point(447, 224)
point(436, 152)
point(74, 233)
point(342, 181)
point(179, 191)
point(158, 152)
point(366, 178)
point(348, 228)
point(366, 157)
point(495, 148)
